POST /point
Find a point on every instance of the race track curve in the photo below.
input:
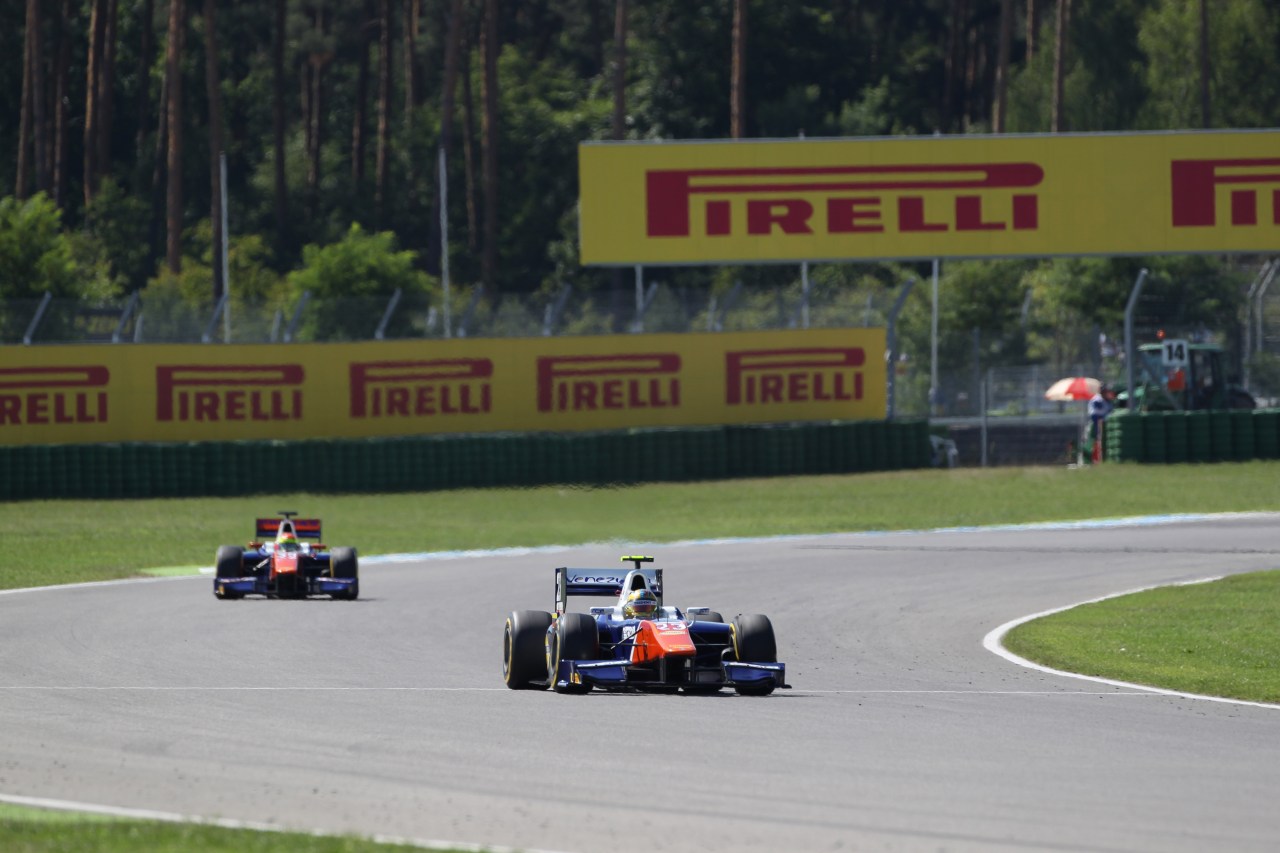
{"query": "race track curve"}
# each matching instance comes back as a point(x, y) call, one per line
point(388, 715)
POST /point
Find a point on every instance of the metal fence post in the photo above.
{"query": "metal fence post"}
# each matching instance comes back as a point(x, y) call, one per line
point(218, 308)
point(34, 325)
point(124, 317)
point(297, 316)
point(1131, 346)
point(381, 331)
point(891, 333)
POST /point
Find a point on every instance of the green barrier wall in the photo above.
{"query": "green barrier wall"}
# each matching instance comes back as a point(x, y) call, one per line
point(454, 462)
point(1159, 437)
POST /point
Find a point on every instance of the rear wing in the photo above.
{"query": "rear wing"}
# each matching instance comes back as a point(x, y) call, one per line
point(606, 582)
point(303, 528)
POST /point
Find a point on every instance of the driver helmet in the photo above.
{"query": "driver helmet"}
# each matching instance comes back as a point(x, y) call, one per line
point(640, 604)
point(286, 541)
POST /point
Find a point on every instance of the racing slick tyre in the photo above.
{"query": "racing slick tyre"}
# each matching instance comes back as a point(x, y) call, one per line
point(343, 564)
point(228, 564)
point(576, 637)
point(710, 616)
point(753, 642)
point(524, 661)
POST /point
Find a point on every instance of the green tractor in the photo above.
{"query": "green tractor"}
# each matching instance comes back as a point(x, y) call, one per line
point(1195, 380)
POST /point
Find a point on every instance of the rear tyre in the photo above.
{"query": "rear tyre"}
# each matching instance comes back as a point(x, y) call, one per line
point(710, 616)
point(229, 563)
point(343, 564)
point(753, 642)
point(524, 662)
point(576, 637)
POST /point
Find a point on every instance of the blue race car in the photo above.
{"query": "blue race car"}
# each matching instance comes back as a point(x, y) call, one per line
point(280, 563)
point(637, 643)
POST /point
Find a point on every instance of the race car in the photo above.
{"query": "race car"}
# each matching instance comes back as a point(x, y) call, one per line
point(637, 643)
point(286, 560)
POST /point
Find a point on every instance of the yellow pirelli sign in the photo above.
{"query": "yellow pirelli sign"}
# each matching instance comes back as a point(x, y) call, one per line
point(928, 197)
point(143, 392)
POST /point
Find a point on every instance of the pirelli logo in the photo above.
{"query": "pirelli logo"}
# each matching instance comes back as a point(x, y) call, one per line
point(1250, 188)
point(805, 375)
point(842, 200)
point(585, 383)
point(443, 386)
point(53, 396)
point(208, 393)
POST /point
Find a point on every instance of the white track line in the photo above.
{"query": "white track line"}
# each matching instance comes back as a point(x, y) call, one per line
point(994, 643)
point(230, 823)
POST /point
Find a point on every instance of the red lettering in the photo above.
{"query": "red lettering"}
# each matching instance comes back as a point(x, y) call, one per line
point(424, 404)
point(207, 405)
point(584, 396)
point(797, 387)
point(60, 415)
point(771, 389)
point(235, 405)
point(790, 215)
point(613, 393)
point(37, 408)
point(718, 218)
point(911, 216)
point(397, 401)
point(844, 215)
point(1193, 186)
point(969, 215)
point(10, 409)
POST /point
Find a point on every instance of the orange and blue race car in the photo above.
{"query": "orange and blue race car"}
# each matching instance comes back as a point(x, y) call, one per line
point(286, 560)
point(637, 643)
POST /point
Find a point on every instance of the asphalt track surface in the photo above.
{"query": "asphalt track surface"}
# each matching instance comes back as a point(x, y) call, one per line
point(388, 715)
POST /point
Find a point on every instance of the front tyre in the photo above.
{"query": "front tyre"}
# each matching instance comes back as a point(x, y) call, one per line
point(344, 564)
point(576, 637)
point(753, 642)
point(229, 563)
point(524, 663)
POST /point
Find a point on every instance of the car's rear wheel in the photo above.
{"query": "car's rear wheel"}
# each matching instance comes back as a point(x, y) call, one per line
point(229, 563)
point(709, 616)
point(576, 637)
point(344, 564)
point(524, 662)
point(753, 642)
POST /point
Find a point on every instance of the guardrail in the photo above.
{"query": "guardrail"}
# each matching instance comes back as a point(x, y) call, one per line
point(455, 462)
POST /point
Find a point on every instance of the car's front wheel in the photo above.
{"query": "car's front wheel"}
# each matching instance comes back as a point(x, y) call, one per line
point(753, 642)
point(344, 564)
point(229, 563)
point(524, 663)
point(575, 637)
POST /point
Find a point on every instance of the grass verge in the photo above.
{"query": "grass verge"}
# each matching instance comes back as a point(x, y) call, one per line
point(51, 542)
point(29, 830)
point(1217, 639)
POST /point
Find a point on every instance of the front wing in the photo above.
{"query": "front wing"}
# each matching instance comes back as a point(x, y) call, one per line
point(672, 672)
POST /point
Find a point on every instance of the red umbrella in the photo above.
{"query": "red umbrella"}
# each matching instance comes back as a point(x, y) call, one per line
point(1073, 388)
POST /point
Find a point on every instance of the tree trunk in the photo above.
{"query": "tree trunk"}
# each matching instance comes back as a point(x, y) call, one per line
point(620, 70)
point(30, 54)
point(62, 77)
point(106, 90)
point(1002, 65)
point(1033, 28)
point(738, 84)
point(1206, 117)
point(213, 85)
point(412, 12)
point(92, 91)
point(360, 116)
point(468, 154)
point(146, 56)
point(489, 148)
point(384, 109)
point(1059, 64)
point(277, 124)
point(452, 54)
point(173, 74)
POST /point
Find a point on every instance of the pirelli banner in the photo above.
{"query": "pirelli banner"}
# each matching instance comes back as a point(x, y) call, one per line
point(929, 197)
point(144, 392)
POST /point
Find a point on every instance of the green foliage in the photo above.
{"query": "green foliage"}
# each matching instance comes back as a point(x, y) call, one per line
point(350, 282)
point(35, 255)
